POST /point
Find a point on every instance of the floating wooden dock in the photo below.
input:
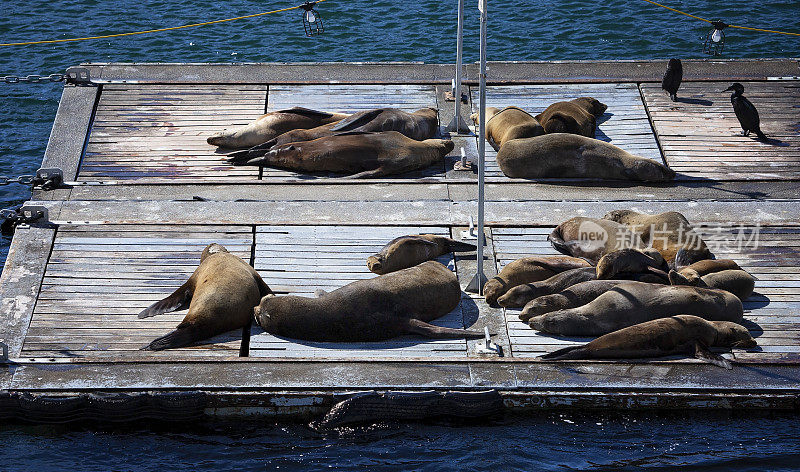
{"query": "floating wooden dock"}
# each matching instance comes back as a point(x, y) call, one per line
point(145, 194)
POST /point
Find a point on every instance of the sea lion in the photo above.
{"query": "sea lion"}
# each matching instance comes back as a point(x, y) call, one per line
point(520, 295)
point(688, 275)
point(563, 155)
point(507, 124)
point(632, 261)
point(527, 270)
point(419, 125)
point(577, 116)
point(738, 282)
point(383, 307)
point(636, 302)
point(363, 155)
point(571, 297)
point(408, 251)
point(271, 125)
point(681, 334)
point(670, 233)
point(592, 238)
point(220, 294)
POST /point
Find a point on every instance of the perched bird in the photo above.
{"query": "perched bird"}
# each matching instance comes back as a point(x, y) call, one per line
point(672, 78)
point(745, 111)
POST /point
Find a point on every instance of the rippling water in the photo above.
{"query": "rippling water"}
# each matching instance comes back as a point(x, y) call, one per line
point(408, 30)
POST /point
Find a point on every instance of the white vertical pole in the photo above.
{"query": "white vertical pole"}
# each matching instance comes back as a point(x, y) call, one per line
point(459, 53)
point(481, 144)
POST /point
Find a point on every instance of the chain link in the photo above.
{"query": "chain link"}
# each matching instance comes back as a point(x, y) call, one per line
point(32, 79)
point(22, 179)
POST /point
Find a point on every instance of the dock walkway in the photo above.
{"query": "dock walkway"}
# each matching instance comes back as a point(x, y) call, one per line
point(145, 194)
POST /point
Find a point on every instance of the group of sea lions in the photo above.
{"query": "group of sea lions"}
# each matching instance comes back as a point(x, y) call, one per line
point(559, 143)
point(637, 281)
point(225, 292)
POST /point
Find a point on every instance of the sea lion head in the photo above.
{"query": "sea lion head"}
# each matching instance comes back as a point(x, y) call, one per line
point(375, 264)
point(213, 248)
point(621, 216)
point(592, 105)
point(490, 112)
point(689, 255)
point(261, 312)
point(518, 296)
point(648, 170)
point(731, 334)
point(223, 138)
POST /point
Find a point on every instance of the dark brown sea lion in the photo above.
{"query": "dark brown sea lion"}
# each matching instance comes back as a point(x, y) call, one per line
point(689, 275)
point(507, 124)
point(738, 282)
point(577, 116)
point(670, 233)
point(408, 251)
point(569, 156)
point(363, 155)
point(571, 297)
point(592, 238)
point(520, 295)
point(383, 307)
point(527, 270)
point(419, 125)
point(681, 334)
point(220, 294)
point(271, 125)
point(636, 302)
point(632, 261)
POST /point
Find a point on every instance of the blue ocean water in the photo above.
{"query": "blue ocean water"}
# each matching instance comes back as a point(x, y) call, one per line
point(379, 30)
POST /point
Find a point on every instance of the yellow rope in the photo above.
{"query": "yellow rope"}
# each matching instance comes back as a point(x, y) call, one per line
point(729, 26)
point(153, 30)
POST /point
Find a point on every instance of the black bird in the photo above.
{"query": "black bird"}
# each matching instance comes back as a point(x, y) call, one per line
point(672, 78)
point(745, 111)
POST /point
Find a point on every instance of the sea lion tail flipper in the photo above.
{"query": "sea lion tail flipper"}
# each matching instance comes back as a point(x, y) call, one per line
point(460, 246)
point(177, 301)
point(570, 352)
point(306, 112)
point(182, 336)
point(263, 288)
point(354, 121)
point(415, 326)
point(701, 352)
point(367, 174)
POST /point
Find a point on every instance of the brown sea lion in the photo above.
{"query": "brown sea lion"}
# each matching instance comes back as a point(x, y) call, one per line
point(670, 233)
point(271, 125)
point(592, 238)
point(571, 297)
point(681, 334)
point(363, 155)
point(507, 124)
point(738, 282)
point(632, 261)
point(220, 294)
point(520, 295)
point(383, 307)
point(408, 251)
point(419, 125)
point(563, 155)
point(577, 116)
point(689, 275)
point(527, 270)
point(636, 302)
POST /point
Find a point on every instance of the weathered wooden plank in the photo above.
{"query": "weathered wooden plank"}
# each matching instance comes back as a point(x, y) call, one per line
point(70, 127)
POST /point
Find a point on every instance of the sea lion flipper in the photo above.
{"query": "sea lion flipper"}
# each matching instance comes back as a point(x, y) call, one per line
point(701, 352)
point(358, 119)
point(177, 301)
point(306, 112)
point(367, 174)
point(460, 246)
point(240, 158)
point(563, 353)
point(182, 336)
point(263, 288)
point(415, 326)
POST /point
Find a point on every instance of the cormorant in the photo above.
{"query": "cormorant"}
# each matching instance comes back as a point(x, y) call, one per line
point(672, 78)
point(745, 111)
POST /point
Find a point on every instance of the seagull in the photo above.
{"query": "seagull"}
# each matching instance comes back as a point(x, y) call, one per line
point(672, 78)
point(745, 111)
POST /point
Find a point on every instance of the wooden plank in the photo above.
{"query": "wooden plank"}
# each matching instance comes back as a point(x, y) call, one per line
point(70, 127)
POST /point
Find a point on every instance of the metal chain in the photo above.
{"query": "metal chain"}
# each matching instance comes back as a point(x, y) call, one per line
point(32, 79)
point(26, 179)
point(48, 183)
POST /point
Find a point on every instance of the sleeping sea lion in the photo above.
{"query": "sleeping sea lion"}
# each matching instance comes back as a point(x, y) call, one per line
point(636, 302)
point(363, 155)
point(220, 294)
point(520, 295)
point(563, 155)
point(527, 270)
point(592, 238)
point(571, 297)
point(419, 125)
point(408, 251)
point(670, 233)
point(681, 334)
point(689, 275)
point(738, 282)
point(577, 116)
point(507, 124)
point(383, 307)
point(632, 261)
point(271, 125)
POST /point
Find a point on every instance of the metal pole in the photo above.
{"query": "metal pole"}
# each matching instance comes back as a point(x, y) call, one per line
point(459, 52)
point(481, 144)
